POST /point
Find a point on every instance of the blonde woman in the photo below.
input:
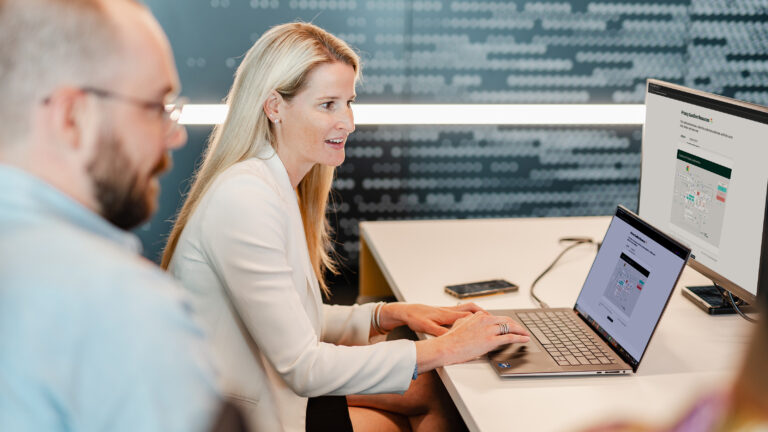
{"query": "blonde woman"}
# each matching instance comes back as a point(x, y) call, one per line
point(251, 244)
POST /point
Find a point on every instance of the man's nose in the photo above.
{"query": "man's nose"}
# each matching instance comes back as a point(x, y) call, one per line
point(176, 138)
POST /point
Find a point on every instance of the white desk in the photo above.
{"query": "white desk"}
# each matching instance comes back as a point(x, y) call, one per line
point(690, 353)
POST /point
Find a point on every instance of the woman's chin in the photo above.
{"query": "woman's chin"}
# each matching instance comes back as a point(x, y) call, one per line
point(335, 160)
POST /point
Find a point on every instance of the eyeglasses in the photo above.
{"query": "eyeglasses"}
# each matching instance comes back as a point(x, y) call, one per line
point(170, 113)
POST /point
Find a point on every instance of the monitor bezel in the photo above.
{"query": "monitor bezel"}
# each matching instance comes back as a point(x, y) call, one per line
point(722, 281)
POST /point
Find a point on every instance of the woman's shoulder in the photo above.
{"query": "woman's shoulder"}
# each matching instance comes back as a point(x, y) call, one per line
point(240, 196)
point(245, 184)
point(250, 168)
point(251, 175)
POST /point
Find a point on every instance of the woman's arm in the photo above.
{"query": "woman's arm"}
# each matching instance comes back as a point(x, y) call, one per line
point(347, 325)
point(245, 236)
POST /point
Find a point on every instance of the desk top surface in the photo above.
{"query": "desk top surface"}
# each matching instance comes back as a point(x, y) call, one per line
point(690, 353)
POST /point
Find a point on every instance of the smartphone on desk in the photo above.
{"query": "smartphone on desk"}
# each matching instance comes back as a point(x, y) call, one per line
point(472, 289)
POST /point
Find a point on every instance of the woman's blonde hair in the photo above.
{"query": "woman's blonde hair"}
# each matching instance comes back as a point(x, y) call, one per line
point(280, 60)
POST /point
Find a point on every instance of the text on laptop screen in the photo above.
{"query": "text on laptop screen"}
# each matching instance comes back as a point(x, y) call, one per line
point(630, 282)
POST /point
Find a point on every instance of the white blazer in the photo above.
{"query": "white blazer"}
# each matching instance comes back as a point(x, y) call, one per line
point(244, 259)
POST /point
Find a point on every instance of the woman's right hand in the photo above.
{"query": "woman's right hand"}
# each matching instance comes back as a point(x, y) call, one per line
point(470, 337)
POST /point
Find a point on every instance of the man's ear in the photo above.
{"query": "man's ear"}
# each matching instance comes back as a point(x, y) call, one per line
point(272, 106)
point(63, 114)
point(72, 117)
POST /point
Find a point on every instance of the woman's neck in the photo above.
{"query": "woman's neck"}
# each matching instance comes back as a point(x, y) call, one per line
point(294, 165)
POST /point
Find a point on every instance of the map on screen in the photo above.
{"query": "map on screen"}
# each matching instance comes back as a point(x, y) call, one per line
point(700, 196)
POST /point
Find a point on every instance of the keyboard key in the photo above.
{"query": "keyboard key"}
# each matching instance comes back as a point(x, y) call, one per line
point(604, 360)
point(539, 335)
point(572, 360)
point(594, 361)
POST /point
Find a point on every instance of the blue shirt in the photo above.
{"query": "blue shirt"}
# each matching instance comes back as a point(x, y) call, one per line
point(92, 336)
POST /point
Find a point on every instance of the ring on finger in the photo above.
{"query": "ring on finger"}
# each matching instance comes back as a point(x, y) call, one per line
point(503, 328)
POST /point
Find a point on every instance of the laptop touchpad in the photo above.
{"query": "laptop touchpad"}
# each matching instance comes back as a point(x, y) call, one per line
point(514, 351)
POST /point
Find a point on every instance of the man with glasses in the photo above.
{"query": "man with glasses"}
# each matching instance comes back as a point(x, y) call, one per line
point(92, 336)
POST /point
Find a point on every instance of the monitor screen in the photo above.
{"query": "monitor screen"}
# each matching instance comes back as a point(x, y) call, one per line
point(704, 179)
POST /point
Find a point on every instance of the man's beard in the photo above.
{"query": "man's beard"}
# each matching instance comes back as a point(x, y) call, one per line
point(125, 201)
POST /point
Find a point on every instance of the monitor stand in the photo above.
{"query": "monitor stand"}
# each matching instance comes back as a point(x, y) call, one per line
point(714, 301)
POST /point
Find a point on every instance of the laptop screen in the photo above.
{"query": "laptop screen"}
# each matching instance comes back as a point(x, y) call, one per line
point(630, 282)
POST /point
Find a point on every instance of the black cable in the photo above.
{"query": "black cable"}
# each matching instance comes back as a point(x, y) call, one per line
point(734, 303)
point(577, 241)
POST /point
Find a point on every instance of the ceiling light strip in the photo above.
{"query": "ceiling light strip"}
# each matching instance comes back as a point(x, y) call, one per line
point(458, 114)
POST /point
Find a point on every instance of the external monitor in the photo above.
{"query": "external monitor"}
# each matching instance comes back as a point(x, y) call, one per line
point(704, 181)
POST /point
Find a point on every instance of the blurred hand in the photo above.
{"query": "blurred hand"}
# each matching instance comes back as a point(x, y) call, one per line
point(423, 318)
point(470, 337)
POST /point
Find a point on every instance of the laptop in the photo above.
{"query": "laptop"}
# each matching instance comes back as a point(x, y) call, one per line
point(620, 304)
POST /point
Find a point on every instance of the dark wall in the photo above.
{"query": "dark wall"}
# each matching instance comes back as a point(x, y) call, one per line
point(479, 52)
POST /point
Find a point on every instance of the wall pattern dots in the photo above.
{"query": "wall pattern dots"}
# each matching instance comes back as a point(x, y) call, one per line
point(424, 51)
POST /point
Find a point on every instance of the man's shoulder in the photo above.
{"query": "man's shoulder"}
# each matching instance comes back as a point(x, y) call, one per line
point(57, 259)
point(79, 286)
point(119, 329)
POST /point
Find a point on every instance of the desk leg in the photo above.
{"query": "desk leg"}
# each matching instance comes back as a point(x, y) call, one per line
point(372, 281)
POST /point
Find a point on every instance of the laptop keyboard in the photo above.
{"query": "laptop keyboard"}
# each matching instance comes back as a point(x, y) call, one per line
point(564, 339)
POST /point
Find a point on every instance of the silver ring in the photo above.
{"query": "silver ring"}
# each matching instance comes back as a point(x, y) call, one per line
point(503, 328)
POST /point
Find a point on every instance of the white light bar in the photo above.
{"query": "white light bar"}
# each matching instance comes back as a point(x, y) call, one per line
point(474, 114)
point(203, 114)
point(499, 114)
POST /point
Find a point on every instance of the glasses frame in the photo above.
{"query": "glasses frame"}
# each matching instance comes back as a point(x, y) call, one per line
point(170, 112)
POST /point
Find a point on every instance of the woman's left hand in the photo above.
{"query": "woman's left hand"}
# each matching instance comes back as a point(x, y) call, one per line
point(422, 318)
